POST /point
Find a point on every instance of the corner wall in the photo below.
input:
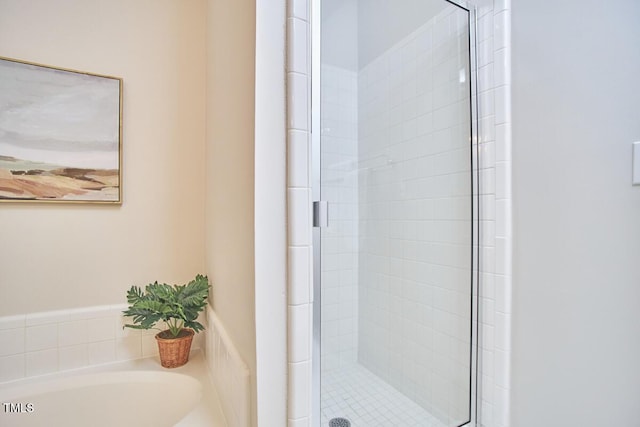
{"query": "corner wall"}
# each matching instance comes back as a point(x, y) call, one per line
point(230, 192)
point(57, 256)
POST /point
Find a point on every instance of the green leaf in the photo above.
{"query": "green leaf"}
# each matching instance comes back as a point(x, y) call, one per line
point(177, 305)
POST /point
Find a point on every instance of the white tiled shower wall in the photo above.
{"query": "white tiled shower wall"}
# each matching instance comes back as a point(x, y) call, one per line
point(43, 343)
point(494, 86)
point(494, 51)
point(299, 277)
point(339, 181)
point(415, 213)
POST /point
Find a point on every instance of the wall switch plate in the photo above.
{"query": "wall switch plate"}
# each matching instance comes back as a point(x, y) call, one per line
point(636, 163)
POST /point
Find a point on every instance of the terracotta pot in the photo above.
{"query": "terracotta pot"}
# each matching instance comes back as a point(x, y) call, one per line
point(174, 352)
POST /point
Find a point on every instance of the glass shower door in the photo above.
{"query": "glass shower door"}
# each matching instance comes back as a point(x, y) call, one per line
point(395, 266)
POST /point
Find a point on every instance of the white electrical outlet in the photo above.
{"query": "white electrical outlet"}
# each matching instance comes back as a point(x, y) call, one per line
point(636, 163)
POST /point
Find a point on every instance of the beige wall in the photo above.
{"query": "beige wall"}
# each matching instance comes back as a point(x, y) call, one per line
point(66, 256)
point(186, 151)
point(230, 171)
point(576, 330)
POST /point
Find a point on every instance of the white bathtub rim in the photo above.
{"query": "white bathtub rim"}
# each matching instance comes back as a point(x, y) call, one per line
point(209, 411)
point(50, 385)
point(110, 366)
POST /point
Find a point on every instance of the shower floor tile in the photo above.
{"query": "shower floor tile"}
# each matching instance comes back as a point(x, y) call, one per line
point(355, 393)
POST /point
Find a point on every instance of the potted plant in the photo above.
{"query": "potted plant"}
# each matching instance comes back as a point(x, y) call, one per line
point(178, 306)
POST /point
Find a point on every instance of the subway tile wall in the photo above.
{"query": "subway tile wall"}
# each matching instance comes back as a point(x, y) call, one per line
point(339, 182)
point(495, 203)
point(415, 216)
point(300, 273)
point(494, 87)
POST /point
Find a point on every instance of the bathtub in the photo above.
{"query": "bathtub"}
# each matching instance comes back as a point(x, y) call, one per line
point(133, 393)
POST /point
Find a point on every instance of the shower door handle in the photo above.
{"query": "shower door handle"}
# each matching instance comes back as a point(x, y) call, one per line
point(321, 214)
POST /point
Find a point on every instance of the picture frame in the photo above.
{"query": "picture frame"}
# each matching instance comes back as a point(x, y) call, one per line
point(60, 135)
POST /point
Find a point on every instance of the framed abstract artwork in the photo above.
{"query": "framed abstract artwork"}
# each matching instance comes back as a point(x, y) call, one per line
point(60, 134)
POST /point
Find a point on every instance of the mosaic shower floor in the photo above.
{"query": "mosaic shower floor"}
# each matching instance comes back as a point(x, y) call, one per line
point(355, 393)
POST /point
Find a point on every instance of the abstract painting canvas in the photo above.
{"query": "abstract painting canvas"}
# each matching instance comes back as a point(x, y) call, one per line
point(60, 134)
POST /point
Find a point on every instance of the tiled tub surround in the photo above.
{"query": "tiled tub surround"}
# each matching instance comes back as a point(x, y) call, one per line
point(494, 52)
point(229, 374)
point(57, 341)
point(44, 343)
